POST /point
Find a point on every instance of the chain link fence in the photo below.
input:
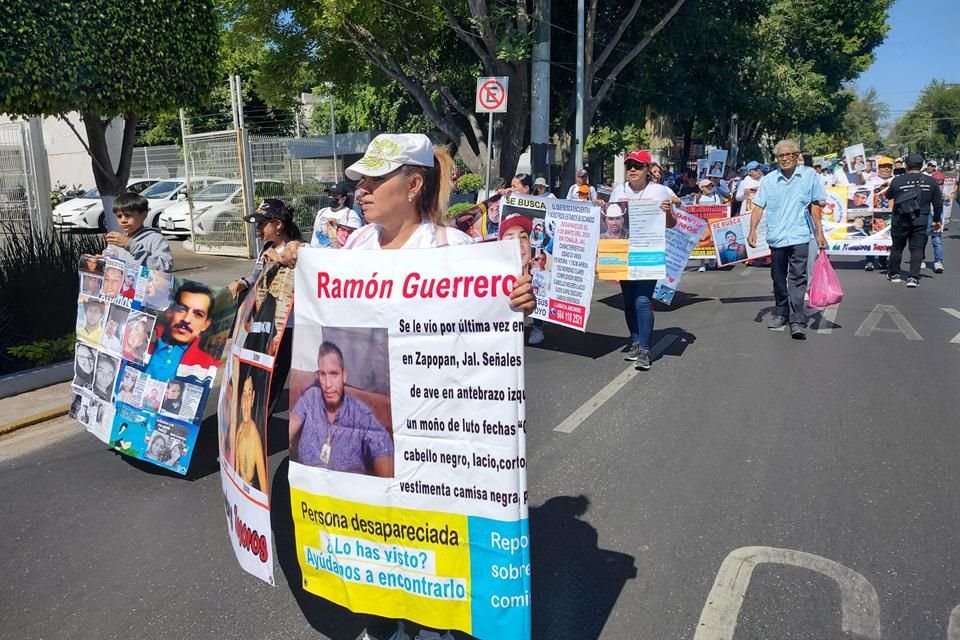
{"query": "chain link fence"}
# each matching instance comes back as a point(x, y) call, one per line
point(19, 196)
point(212, 216)
point(299, 181)
point(160, 162)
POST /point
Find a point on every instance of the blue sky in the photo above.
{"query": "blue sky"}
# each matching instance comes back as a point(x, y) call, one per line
point(923, 44)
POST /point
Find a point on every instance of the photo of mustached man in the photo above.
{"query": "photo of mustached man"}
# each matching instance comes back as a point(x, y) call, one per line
point(178, 336)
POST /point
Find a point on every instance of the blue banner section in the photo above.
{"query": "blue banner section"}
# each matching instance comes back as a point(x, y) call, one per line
point(500, 578)
point(611, 260)
point(646, 258)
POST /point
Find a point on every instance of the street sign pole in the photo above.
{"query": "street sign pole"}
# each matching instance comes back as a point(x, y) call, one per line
point(491, 99)
point(489, 148)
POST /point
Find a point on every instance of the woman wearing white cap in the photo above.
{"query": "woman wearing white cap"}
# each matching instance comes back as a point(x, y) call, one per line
point(404, 186)
point(541, 188)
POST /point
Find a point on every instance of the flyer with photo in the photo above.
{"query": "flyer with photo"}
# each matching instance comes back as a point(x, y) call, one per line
point(412, 504)
point(561, 255)
point(709, 213)
point(244, 411)
point(730, 241)
point(148, 348)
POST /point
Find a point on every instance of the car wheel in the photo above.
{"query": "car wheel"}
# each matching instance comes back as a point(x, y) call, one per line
point(102, 223)
point(156, 222)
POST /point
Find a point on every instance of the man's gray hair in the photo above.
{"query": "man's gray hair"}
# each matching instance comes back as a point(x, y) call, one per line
point(786, 145)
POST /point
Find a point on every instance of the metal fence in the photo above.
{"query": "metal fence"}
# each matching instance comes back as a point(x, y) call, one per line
point(214, 214)
point(299, 182)
point(160, 162)
point(19, 195)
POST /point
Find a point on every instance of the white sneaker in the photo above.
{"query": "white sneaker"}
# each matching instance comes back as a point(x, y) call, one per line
point(923, 265)
point(938, 267)
point(701, 268)
point(536, 336)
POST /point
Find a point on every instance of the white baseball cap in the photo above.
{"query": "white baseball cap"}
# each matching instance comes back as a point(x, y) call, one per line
point(540, 181)
point(390, 151)
point(614, 211)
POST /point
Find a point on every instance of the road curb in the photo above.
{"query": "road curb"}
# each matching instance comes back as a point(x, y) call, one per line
point(28, 421)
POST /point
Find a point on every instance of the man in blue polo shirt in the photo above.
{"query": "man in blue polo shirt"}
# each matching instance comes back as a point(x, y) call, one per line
point(782, 202)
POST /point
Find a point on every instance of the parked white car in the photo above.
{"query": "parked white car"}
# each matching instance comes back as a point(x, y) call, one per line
point(86, 212)
point(216, 209)
point(167, 192)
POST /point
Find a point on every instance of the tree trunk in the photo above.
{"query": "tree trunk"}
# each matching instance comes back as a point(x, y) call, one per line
point(110, 182)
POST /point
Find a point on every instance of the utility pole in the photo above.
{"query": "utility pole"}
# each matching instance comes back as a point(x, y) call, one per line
point(579, 133)
point(540, 92)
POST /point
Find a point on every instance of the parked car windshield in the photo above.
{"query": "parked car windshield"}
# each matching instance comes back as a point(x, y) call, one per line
point(217, 192)
point(161, 189)
point(93, 194)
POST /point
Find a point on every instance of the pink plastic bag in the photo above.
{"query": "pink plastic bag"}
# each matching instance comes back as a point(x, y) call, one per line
point(825, 287)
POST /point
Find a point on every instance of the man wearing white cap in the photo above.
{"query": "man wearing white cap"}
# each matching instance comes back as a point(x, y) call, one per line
point(540, 188)
point(613, 219)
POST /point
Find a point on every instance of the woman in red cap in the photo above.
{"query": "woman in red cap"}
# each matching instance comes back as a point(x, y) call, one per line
point(638, 294)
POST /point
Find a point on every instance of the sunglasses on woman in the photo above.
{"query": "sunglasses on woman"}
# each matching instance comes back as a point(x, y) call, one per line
point(633, 164)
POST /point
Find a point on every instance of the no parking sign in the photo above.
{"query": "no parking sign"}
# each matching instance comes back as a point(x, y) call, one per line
point(492, 94)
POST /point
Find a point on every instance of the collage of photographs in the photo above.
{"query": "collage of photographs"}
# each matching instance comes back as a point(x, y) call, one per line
point(145, 358)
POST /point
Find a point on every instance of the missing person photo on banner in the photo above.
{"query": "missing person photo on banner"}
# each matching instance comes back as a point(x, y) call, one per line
point(407, 436)
point(730, 241)
point(853, 224)
point(716, 163)
point(244, 409)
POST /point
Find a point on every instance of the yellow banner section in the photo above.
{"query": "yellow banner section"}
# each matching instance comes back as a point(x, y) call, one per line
point(612, 259)
point(391, 562)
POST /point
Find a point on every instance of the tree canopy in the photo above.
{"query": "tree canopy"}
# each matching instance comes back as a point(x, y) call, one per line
point(932, 125)
point(105, 59)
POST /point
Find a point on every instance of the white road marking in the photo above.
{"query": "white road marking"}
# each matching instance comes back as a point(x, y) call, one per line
point(903, 325)
point(953, 630)
point(585, 410)
point(859, 607)
point(956, 338)
point(828, 318)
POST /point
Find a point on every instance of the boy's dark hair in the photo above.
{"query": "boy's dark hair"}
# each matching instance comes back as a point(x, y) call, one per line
point(130, 203)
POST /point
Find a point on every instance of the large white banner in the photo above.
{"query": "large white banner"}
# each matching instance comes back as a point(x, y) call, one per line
point(407, 436)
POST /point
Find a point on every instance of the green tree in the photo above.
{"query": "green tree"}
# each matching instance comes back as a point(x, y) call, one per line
point(796, 72)
point(932, 125)
point(106, 59)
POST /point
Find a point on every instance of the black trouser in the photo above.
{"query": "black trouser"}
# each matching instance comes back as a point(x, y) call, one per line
point(903, 232)
point(788, 268)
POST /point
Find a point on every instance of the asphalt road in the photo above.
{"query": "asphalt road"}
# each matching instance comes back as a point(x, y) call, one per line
point(831, 464)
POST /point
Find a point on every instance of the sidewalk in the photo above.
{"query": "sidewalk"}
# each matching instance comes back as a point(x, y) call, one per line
point(34, 407)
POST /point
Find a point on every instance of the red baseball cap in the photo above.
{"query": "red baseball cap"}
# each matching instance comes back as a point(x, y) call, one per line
point(515, 220)
point(639, 155)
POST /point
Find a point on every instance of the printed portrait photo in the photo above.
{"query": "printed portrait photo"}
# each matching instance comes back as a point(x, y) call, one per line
point(84, 365)
point(157, 290)
point(340, 396)
point(167, 444)
point(105, 376)
point(113, 274)
point(136, 337)
point(91, 264)
point(91, 314)
point(246, 442)
point(129, 390)
point(90, 284)
point(113, 329)
point(730, 246)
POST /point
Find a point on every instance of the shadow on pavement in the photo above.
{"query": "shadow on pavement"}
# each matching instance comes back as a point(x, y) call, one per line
point(676, 348)
point(575, 583)
point(681, 299)
point(741, 299)
point(589, 345)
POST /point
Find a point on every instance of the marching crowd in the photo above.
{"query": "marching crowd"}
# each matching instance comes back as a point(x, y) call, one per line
point(404, 183)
